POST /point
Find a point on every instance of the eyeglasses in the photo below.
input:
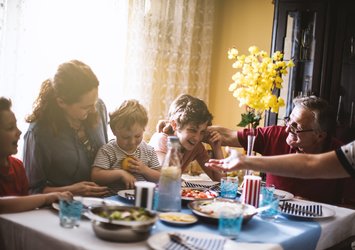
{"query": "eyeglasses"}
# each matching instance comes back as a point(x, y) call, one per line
point(293, 126)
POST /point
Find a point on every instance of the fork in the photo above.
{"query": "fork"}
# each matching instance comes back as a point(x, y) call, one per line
point(129, 196)
point(179, 240)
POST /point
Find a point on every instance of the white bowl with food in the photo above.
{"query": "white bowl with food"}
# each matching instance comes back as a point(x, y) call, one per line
point(210, 209)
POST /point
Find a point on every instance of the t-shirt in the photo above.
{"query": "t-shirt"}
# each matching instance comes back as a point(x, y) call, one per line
point(13, 180)
point(272, 141)
point(110, 156)
point(61, 159)
point(199, 153)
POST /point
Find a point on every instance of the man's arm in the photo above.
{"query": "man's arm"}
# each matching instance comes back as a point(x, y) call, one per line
point(307, 166)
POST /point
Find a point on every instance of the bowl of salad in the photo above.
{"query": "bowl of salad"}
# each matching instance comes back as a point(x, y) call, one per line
point(122, 223)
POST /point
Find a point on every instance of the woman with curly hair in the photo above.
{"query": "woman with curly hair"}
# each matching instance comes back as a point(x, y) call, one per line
point(67, 127)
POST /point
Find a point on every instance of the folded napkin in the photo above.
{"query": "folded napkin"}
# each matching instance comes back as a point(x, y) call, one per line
point(183, 242)
point(214, 187)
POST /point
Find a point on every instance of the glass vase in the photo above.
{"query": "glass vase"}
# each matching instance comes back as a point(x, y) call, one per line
point(250, 146)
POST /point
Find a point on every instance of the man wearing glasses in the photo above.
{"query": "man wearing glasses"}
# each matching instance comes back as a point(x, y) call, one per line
point(308, 129)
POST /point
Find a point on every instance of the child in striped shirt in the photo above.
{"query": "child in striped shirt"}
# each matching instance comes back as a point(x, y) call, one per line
point(126, 159)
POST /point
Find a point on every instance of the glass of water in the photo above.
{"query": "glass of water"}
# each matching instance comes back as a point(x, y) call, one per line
point(70, 212)
point(230, 222)
point(229, 187)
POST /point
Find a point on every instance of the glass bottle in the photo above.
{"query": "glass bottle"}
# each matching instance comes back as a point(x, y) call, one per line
point(169, 191)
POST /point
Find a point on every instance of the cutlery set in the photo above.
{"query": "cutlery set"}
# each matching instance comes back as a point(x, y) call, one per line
point(193, 243)
point(302, 210)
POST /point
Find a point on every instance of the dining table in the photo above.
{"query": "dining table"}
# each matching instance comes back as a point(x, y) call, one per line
point(40, 229)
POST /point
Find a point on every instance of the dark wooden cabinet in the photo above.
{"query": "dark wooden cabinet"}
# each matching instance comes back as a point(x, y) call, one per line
point(319, 36)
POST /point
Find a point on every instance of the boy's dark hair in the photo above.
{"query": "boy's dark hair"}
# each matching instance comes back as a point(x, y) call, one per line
point(188, 109)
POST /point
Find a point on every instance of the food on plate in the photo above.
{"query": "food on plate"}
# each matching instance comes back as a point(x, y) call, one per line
point(198, 193)
point(177, 217)
point(133, 214)
point(215, 208)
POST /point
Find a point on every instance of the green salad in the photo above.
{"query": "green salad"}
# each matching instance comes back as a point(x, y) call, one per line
point(127, 215)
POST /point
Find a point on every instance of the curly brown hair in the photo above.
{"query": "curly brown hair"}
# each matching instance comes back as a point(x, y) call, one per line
point(72, 80)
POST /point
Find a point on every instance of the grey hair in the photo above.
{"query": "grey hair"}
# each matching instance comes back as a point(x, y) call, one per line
point(324, 113)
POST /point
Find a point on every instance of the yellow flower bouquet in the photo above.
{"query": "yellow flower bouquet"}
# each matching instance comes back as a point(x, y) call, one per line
point(256, 81)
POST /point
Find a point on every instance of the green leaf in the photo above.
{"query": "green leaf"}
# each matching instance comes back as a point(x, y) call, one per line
point(249, 118)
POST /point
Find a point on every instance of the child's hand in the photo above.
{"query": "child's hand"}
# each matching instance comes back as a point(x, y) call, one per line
point(128, 179)
point(214, 139)
point(136, 166)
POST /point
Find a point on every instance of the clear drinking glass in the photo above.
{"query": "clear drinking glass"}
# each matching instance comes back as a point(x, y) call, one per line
point(229, 187)
point(230, 223)
point(267, 198)
point(70, 212)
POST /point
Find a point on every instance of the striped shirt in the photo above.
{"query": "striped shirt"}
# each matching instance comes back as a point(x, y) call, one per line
point(110, 156)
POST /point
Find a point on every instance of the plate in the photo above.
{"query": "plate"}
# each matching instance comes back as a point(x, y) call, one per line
point(326, 211)
point(160, 240)
point(196, 206)
point(127, 194)
point(91, 202)
point(178, 218)
point(210, 194)
point(283, 195)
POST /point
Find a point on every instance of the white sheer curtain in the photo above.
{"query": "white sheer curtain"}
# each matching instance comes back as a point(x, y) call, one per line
point(151, 50)
point(169, 52)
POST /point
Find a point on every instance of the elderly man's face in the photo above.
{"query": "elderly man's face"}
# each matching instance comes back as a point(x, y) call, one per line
point(301, 130)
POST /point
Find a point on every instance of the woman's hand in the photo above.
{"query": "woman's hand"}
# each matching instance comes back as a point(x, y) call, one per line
point(88, 188)
point(55, 196)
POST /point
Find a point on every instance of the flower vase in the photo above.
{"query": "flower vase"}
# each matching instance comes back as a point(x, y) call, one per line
point(250, 146)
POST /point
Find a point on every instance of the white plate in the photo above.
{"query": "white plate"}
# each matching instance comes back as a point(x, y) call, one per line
point(122, 194)
point(185, 198)
point(326, 211)
point(283, 195)
point(178, 218)
point(92, 202)
point(160, 240)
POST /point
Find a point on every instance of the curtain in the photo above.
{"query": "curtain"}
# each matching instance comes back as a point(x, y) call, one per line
point(150, 50)
point(169, 48)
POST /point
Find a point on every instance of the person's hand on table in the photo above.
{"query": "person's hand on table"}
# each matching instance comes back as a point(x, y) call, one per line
point(88, 188)
point(55, 196)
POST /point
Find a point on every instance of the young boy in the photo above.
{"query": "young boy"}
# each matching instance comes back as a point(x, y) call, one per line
point(13, 180)
point(188, 120)
point(128, 158)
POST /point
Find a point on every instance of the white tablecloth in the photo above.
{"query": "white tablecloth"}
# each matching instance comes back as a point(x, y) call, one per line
point(40, 229)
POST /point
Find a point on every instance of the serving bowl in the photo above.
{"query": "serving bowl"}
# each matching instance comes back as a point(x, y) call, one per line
point(198, 208)
point(107, 225)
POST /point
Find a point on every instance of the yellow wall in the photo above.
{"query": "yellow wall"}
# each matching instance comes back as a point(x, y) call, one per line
point(239, 23)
